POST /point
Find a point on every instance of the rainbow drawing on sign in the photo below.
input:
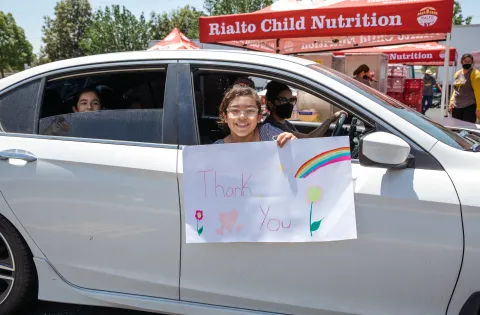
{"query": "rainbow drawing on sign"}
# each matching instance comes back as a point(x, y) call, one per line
point(322, 160)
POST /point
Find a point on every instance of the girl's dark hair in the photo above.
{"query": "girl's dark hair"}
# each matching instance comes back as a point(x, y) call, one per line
point(361, 68)
point(88, 90)
point(467, 56)
point(274, 89)
point(230, 95)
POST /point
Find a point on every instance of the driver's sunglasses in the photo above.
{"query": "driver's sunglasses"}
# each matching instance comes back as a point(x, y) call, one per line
point(284, 100)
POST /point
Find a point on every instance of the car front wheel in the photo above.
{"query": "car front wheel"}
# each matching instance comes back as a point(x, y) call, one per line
point(17, 270)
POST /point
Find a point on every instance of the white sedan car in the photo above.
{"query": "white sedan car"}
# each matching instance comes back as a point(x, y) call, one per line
point(91, 202)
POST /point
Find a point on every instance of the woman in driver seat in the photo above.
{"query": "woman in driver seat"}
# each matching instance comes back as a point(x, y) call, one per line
point(280, 103)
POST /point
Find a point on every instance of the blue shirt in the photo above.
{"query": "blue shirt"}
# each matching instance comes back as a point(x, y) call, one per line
point(267, 133)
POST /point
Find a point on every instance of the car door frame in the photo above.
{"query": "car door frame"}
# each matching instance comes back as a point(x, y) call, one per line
point(169, 124)
point(423, 159)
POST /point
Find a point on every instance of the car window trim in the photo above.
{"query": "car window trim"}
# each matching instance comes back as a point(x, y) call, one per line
point(89, 140)
point(52, 73)
point(81, 74)
point(38, 106)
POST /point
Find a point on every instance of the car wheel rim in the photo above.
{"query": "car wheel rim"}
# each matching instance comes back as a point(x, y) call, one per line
point(7, 269)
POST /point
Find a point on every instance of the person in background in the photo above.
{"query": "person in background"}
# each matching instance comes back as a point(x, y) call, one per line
point(427, 96)
point(240, 116)
point(280, 103)
point(362, 74)
point(465, 100)
point(88, 101)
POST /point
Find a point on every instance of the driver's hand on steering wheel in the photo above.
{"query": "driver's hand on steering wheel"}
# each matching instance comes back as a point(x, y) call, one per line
point(337, 114)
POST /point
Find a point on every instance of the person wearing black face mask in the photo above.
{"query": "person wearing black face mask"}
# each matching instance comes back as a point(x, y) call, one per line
point(465, 100)
point(280, 103)
point(361, 74)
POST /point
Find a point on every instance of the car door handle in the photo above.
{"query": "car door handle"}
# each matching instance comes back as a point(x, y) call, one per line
point(17, 155)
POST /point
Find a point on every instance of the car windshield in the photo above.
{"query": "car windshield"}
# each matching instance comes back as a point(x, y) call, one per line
point(434, 129)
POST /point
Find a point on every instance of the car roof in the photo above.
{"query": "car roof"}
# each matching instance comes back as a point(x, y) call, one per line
point(260, 58)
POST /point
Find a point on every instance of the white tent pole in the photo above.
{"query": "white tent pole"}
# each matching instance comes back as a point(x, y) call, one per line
point(446, 67)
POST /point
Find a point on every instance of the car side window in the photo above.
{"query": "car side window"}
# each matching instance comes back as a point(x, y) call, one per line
point(308, 118)
point(18, 108)
point(116, 105)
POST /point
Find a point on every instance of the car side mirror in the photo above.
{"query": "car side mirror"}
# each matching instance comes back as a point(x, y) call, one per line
point(385, 150)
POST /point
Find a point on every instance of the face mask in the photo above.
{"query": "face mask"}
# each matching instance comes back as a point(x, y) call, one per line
point(467, 66)
point(284, 111)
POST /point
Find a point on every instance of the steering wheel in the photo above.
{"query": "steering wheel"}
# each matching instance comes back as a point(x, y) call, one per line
point(338, 126)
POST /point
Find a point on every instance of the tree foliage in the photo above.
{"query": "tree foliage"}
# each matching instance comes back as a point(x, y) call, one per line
point(458, 16)
point(115, 29)
point(222, 7)
point(74, 31)
point(160, 25)
point(185, 19)
point(15, 49)
point(64, 32)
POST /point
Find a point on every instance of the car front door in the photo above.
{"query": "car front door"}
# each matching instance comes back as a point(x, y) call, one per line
point(101, 201)
point(405, 260)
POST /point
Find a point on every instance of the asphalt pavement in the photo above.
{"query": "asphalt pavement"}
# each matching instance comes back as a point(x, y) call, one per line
point(44, 308)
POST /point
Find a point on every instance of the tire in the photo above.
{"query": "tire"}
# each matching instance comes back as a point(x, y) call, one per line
point(20, 289)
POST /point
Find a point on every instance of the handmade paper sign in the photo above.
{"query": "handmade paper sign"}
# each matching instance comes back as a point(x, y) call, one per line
point(258, 192)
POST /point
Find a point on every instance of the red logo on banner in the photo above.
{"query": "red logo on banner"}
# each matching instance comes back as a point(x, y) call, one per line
point(427, 16)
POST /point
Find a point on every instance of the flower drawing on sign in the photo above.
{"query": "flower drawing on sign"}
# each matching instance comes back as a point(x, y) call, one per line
point(314, 195)
point(199, 217)
point(316, 163)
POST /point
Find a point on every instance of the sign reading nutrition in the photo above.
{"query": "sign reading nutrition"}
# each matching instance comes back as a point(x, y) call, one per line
point(257, 192)
point(296, 19)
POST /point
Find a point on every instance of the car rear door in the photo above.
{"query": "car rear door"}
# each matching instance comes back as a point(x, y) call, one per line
point(104, 211)
point(405, 260)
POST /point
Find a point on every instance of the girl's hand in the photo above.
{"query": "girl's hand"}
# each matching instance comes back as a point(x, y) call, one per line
point(283, 138)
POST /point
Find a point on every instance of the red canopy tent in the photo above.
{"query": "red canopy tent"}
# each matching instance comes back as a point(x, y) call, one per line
point(175, 40)
point(331, 18)
point(319, 44)
point(432, 54)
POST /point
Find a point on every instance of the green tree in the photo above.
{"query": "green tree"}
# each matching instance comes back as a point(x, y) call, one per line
point(160, 25)
point(458, 16)
point(15, 49)
point(222, 7)
point(64, 32)
point(185, 19)
point(115, 29)
point(41, 58)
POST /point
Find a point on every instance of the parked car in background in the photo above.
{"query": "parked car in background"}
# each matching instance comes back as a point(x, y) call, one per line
point(91, 210)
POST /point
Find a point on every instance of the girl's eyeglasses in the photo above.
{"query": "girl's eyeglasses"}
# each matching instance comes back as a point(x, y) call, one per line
point(249, 112)
point(284, 100)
